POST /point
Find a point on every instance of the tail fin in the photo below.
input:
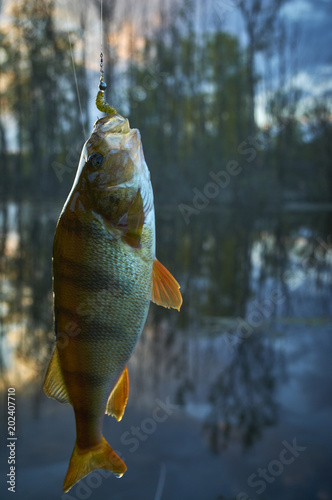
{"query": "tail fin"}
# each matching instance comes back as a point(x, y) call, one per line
point(82, 462)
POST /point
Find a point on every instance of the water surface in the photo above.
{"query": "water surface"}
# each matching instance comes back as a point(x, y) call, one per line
point(229, 399)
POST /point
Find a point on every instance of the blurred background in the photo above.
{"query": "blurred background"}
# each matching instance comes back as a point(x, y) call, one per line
point(233, 99)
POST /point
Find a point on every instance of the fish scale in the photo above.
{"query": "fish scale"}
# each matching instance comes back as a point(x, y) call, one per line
point(105, 273)
point(132, 275)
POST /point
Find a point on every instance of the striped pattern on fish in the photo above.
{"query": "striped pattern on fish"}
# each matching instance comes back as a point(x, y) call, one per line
point(105, 274)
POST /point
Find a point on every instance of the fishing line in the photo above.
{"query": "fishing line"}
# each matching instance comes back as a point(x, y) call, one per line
point(102, 84)
point(101, 103)
point(75, 76)
point(76, 83)
point(101, 26)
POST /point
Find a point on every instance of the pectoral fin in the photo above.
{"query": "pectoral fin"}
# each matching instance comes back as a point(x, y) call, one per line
point(54, 386)
point(165, 288)
point(135, 221)
point(117, 401)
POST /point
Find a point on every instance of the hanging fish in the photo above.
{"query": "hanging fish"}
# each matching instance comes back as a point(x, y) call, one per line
point(105, 273)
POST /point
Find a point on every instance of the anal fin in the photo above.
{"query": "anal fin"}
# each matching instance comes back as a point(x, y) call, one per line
point(165, 288)
point(117, 401)
point(54, 385)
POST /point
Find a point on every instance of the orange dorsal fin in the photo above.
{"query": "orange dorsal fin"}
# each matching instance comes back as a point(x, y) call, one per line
point(165, 288)
point(117, 401)
point(135, 221)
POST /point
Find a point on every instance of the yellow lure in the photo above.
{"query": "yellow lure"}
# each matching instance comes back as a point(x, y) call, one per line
point(101, 103)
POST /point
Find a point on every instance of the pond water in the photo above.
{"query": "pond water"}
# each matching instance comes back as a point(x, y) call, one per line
point(242, 375)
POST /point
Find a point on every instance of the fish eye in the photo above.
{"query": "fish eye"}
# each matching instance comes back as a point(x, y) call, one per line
point(95, 160)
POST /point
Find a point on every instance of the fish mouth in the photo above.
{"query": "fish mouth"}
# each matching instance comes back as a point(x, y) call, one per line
point(123, 185)
point(114, 187)
point(113, 124)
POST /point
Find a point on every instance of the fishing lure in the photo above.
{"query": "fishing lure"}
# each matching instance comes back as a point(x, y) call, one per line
point(101, 103)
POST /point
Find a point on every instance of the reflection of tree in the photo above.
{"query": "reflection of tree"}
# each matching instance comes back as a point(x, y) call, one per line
point(274, 259)
point(28, 298)
point(288, 259)
point(160, 358)
point(218, 284)
point(3, 238)
point(243, 396)
point(37, 263)
point(212, 262)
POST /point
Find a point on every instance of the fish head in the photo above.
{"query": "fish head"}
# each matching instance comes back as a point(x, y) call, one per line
point(113, 168)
